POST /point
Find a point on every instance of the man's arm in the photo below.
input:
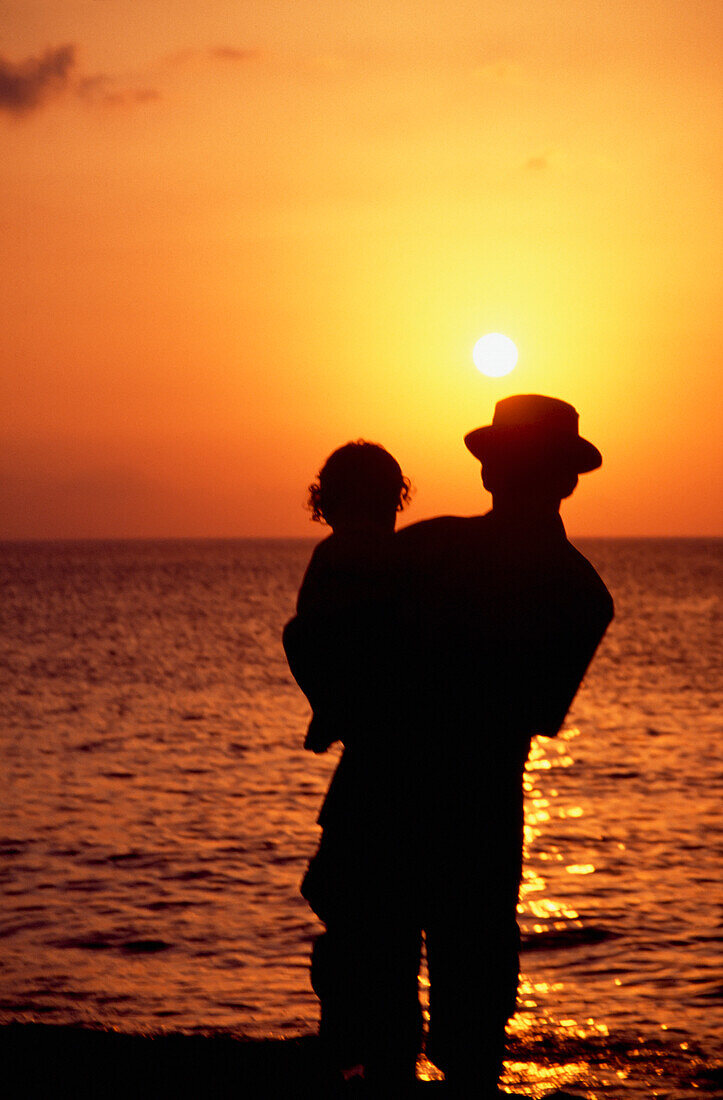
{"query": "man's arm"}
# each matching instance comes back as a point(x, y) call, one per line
point(557, 660)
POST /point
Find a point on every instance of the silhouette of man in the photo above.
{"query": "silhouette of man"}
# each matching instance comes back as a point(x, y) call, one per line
point(506, 616)
point(494, 622)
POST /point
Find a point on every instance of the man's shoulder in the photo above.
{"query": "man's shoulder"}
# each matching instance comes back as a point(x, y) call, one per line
point(434, 544)
point(440, 528)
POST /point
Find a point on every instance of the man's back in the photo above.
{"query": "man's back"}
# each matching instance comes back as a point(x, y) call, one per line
point(505, 616)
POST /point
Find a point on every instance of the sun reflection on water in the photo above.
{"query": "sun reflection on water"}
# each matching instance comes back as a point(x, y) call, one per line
point(544, 1046)
point(544, 756)
point(539, 914)
point(535, 1079)
point(533, 1025)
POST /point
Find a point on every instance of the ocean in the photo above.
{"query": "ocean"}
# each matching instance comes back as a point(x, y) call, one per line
point(158, 811)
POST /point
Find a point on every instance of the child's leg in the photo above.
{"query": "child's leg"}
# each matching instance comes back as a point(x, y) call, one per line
point(366, 981)
point(335, 979)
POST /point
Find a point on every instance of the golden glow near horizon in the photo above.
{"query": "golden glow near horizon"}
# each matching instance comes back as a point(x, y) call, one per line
point(237, 236)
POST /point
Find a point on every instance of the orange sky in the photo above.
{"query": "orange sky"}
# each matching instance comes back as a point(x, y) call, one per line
point(237, 235)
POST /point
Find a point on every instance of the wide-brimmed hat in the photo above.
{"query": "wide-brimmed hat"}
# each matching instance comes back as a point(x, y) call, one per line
point(545, 424)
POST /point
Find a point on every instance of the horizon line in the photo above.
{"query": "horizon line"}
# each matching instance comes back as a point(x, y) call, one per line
point(18, 539)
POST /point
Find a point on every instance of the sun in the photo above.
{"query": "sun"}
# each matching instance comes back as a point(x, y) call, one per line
point(494, 354)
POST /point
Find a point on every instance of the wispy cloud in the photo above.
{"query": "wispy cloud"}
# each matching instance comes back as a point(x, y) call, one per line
point(232, 53)
point(132, 95)
point(26, 85)
point(108, 90)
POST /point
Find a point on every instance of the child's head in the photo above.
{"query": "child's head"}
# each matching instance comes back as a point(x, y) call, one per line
point(360, 483)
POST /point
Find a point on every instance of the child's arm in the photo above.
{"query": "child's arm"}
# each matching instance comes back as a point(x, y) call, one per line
point(330, 642)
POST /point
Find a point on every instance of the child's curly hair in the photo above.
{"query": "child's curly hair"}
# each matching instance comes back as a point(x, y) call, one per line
point(362, 478)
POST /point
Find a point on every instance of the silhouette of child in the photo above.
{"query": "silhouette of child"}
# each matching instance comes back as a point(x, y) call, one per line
point(341, 649)
point(359, 491)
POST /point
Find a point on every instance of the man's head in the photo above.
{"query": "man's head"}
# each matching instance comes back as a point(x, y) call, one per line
point(359, 484)
point(532, 450)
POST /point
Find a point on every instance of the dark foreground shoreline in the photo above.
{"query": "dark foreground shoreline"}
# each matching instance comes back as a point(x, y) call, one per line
point(48, 1060)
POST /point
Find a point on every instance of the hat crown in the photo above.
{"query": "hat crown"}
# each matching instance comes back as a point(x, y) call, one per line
point(533, 420)
point(536, 410)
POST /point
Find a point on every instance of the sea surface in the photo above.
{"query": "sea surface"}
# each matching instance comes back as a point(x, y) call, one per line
point(158, 811)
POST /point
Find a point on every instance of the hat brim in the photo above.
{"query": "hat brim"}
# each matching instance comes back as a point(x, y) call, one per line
point(582, 455)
